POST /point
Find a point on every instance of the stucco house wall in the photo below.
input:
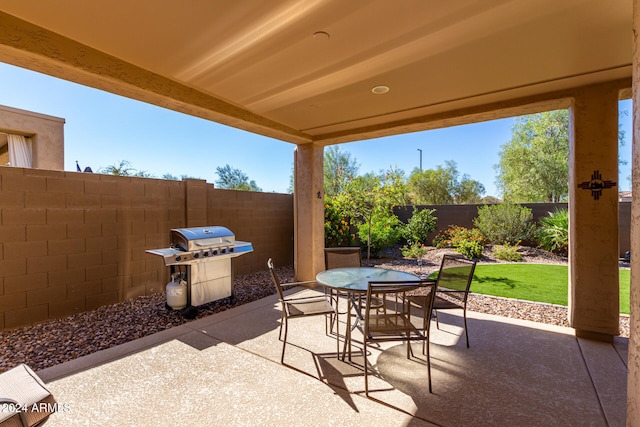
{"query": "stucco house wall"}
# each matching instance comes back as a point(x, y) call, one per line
point(46, 133)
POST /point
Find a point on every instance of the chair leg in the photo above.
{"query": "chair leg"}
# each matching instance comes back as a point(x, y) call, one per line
point(466, 334)
point(425, 326)
point(334, 317)
point(337, 334)
point(426, 343)
point(282, 321)
point(366, 370)
point(284, 341)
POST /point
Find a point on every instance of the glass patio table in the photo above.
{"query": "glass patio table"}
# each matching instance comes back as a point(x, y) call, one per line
point(354, 281)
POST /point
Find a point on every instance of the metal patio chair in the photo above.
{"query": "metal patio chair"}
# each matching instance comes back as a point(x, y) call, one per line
point(454, 280)
point(340, 257)
point(394, 322)
point(344, 257)
point(295, 307)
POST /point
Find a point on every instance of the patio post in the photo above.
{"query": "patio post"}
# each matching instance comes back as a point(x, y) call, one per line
point(633, 377)
point(308, 200)
point(593, 213)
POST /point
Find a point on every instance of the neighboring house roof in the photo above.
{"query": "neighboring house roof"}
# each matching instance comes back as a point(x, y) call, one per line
point(625, 196)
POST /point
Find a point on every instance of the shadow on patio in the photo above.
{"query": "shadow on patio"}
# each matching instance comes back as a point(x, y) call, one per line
point(224, 369)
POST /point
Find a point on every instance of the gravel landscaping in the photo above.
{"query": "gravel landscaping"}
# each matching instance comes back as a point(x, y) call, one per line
point(56, 341)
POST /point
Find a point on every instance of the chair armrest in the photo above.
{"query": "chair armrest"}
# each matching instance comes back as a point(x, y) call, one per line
point(308, 284)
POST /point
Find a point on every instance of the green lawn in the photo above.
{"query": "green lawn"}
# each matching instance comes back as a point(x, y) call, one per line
point(534, 282)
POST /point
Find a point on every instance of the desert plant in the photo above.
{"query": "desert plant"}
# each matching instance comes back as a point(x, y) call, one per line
point(414, 251)
point(421, 223)
point(451, 237)
point(507, 252)
point(553, 234)
point(336, 227)
point(505, 223)
point(471, 249)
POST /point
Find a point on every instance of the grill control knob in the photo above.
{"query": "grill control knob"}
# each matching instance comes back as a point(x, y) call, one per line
point(230, 249)
point(224, 251)
point(206, 253)
point(196, 255)
point(178, 258)
point(215, 252)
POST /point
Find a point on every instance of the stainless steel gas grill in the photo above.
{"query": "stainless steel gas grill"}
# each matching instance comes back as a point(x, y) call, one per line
point(202, 258)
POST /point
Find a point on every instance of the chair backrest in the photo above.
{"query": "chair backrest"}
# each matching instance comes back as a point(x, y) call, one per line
point(394, 294)
point(342, 257)
point(276, 282)
point(456, 274)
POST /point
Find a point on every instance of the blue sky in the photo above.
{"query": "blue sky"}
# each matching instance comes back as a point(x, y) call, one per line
point(102, 129)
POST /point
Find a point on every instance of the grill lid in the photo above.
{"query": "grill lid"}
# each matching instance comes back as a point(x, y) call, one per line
point(190, 239)
point(199, 244)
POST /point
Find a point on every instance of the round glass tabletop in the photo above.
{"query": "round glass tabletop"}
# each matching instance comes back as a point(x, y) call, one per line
point(356, 279)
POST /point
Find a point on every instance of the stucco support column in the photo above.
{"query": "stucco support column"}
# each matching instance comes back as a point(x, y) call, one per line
point(633, 378)
point(308, 199)
point(593, 212)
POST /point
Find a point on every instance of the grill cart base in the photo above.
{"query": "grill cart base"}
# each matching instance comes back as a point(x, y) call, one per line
point(203, 257)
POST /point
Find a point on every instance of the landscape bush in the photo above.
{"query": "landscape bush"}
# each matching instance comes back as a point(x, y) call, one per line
point(466, 241)
point(419, 226)
point(336, 227)
point(471, 249)
point(506, 223)
point(507, 252)
point(417, 250)
point(553, 233)
point(451, 237)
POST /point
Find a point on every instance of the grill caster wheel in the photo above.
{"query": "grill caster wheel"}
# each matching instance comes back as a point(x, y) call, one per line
point(232, 300)
point(190, 312)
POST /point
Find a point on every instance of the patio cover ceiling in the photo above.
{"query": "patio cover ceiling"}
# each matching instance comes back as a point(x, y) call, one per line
point(303, 71)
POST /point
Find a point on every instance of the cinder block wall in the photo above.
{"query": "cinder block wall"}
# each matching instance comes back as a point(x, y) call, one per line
point(71, 242)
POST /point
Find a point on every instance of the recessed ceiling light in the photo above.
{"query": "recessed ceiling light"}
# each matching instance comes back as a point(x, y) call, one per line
point(321, 35)
point(378, 90)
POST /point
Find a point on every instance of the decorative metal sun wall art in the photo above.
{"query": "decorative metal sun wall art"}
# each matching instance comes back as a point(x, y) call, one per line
point(596, 185)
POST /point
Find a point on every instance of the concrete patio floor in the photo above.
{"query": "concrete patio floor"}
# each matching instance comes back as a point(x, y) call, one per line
point(225, 370)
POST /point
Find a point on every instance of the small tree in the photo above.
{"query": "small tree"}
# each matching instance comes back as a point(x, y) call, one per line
point(234, 179)
point(121, 169)
point(443, 186)
point(369, 199)
point(339, 169)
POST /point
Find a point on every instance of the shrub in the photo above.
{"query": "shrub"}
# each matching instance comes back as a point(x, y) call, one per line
point(455, 234)
point(553, 233)
point(414, 251)
point(385, 232)
point(336, 228)
point(468, 242)
point(507, 252)
point(470, 249)
point(421, 223)
point(505, 223)
point(443, 239)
